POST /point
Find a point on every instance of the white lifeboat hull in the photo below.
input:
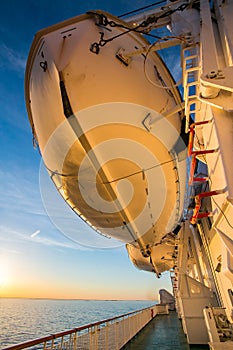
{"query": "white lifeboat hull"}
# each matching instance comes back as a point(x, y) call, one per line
point(102, 129)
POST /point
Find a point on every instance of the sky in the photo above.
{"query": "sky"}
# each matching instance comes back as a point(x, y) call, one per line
point(37, 260)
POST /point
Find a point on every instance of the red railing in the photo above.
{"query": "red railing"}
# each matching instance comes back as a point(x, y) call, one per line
point(194, 153)
point(196, 212)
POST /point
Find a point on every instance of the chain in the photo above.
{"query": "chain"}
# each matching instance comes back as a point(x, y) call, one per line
point(140, 28)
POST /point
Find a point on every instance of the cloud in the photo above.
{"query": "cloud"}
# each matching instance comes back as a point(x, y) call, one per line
point(22, 210)
point(64, 243)
point(17, 237)
point(12, 59)
point(34, 234)
point(18, 191)
point(26, 222)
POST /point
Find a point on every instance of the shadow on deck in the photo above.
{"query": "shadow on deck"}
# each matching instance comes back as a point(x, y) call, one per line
point(164, 332)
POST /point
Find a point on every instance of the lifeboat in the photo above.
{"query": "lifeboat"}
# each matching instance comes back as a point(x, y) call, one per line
point(108, 127)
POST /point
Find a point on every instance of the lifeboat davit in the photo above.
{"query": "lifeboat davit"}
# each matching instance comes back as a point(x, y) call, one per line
point(108, 129)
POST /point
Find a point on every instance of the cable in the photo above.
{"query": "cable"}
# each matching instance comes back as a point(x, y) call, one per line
point(137, 172)
point(151, 35)
point(145, 59)
point(141, 8)
point(163, 86)
point(103, 21)
point(228, 222)
point(54, 172)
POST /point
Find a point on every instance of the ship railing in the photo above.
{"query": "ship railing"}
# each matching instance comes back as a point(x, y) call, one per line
point(112, 333)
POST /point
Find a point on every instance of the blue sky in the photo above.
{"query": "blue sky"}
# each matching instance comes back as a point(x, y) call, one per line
point(36, 259)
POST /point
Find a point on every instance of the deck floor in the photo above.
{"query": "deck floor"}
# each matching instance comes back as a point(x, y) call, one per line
point(164, 332)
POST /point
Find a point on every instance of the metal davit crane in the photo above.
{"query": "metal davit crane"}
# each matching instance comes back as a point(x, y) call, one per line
point(112, 128)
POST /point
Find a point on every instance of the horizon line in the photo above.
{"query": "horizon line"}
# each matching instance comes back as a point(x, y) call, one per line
point(81, 299)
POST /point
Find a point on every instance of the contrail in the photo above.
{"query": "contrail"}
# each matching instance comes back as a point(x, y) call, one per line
point(34, 234)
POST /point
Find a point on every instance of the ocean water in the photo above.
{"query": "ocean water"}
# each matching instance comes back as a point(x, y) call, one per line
point(27, 319)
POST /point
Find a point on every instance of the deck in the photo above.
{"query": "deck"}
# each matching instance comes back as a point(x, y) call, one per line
point(164, 332)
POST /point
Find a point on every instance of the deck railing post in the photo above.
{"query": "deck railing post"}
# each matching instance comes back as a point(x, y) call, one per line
point(52, 343)
point(106, 335)
point(75, 340)
point(124, 329)
point(96, 331)
point(130, 326)
point(116, 334)
point(90, 337)
point(62, 341)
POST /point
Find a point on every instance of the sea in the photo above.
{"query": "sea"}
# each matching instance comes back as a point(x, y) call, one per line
point(26, 319)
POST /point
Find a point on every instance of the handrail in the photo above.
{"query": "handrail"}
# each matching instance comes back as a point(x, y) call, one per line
point(196, 212)
point(52, 337)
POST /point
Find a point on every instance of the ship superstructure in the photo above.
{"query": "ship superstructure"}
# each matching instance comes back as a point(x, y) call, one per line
point(113, 131)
